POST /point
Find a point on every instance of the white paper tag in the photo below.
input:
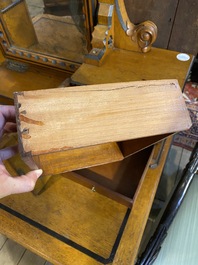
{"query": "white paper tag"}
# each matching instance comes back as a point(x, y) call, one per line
point(183, 57)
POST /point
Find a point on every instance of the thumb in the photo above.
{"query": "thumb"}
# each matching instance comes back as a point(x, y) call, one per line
point(25, 183)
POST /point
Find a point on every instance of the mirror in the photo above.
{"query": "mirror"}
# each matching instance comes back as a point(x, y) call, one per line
point(53, 31)
point(59, 27)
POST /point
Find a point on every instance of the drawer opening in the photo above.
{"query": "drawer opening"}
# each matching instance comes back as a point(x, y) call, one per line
point(120, 179)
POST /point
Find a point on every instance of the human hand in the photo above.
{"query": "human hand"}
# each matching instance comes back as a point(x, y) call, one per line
point(8, 184)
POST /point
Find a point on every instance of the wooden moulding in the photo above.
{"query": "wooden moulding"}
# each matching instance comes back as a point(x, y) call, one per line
point(66, 129)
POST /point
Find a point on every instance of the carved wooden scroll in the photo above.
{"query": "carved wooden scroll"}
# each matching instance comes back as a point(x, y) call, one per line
point(115, 30)
point(144, 34)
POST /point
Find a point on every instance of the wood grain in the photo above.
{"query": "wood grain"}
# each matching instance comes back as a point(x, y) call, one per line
point(64, 161)
point(12, 81)
point(73, 211)
point(41, 243)
point(124, 66)
point(64, 119)
point(129, 245)
point(58, 204)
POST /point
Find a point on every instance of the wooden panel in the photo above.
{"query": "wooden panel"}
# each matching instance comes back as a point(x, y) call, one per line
point(12, 81)
point(2, 59)
point(95, 187)
point(122, 177)
point(5, 3)
point(54, 163)
point(84, 116)
point(72, 211)
point(43, 244)
point(132, 146)
point(161, 12)
point(129, 245)
point(184, 35)
point(6, 100)
point(122, 66)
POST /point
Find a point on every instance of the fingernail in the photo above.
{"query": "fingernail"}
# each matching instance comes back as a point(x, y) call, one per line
point(38, 172)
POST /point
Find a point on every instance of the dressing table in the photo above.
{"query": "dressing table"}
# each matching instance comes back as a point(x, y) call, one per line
point(82, 217)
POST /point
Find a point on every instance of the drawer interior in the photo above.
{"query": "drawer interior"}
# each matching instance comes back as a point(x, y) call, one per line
point(120, 177)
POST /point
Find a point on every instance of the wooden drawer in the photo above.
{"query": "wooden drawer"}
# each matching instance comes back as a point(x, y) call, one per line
point(66, 129)
point(99, 130)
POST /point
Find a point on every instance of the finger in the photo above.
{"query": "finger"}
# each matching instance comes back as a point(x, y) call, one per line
point(10, 127)
point(24, 183)
point(8, 112)
point(8, 152)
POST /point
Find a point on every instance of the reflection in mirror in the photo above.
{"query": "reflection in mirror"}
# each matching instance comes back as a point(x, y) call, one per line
point(52, 27)
point(59, 28)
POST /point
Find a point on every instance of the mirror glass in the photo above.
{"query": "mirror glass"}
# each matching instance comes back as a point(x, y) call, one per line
point(59, 27)
point(52, 27)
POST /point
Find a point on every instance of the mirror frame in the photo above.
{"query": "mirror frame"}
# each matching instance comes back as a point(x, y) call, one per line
point(38, 58)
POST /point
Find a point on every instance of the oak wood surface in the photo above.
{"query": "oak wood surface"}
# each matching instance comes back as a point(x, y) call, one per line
point(67, 208)
point(75, 212)
point(124, 66)
point(64, 205)
point(58, 204)
point(76, 117)
point(128, 247)
point(63, 161)
point(42, 243)
point(2, 58)
point(12, 81)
